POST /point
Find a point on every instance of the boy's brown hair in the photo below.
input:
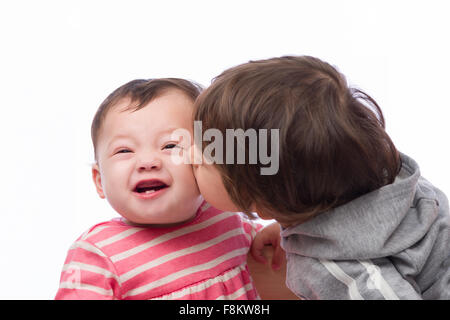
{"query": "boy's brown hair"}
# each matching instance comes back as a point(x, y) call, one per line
point(333, 147)
point(140, 92)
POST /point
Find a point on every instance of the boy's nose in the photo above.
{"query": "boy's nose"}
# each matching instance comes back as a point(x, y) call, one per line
point(149, 165)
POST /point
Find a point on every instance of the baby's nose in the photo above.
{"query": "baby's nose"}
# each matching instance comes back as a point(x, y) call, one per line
point(149, 165)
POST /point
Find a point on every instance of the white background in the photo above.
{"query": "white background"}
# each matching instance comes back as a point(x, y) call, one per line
point(60, 59)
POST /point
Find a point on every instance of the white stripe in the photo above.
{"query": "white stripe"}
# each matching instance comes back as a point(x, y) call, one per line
point(185, 272)
point(176, 254)
point(74, 265)
point(88, 247)
point(252, 234)
point(204, 285)
point(83, 286)
point(377, 281)
point(96, 230)
point(237, 293)
point(253, 227)
point(248, 237)
point(118, 237)
point(340, 275)
point(171, 235)
point(206, 206)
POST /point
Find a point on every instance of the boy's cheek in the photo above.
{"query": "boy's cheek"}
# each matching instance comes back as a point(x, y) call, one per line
point(195, 155)
point(212, 189)
point(209, 181)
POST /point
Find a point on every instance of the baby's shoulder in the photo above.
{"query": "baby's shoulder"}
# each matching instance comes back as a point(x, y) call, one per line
point(105, 230)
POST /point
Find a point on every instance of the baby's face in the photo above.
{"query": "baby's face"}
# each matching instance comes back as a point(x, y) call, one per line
point(135, 169)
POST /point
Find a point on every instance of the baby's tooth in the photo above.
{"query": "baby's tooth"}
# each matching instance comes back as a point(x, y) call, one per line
point(149, 191)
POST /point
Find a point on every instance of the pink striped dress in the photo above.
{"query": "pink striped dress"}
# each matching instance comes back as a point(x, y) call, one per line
point(202, 259)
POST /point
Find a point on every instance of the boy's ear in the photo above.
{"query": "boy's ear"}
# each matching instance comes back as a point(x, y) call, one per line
point(97, 180)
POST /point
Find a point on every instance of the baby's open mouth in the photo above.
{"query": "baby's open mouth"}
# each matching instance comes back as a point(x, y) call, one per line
point(149, 186)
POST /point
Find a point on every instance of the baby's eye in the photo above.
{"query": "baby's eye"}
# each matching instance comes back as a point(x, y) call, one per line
point(123, 151)
point(170, 146)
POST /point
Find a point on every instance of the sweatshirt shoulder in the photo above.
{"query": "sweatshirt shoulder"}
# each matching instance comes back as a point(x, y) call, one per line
point(309, 279)
point(430, 197)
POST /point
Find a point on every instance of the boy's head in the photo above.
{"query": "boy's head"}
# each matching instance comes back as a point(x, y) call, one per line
point(332, 143)
point(133, 144)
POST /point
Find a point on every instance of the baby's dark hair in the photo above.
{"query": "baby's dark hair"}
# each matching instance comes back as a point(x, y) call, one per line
point(140, 92)
point(333, 144)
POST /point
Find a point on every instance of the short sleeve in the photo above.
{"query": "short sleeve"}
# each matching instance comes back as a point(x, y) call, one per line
point(251, 226)
point(88, 274)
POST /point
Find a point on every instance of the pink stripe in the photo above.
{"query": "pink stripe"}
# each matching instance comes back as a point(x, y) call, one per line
point(69, 294)
point(185, 262)
point(214, 291)
point(196, 258)
point(164, 269)
point(112, 228)
point(87, 257)
point(191, 279)
point(166, 247)
point(218, 289)
point(90, 278)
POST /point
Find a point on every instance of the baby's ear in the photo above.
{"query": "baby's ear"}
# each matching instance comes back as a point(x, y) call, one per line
point(97, 180)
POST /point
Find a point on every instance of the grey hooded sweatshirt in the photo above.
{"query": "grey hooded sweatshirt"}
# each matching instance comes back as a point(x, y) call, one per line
point(392, 243)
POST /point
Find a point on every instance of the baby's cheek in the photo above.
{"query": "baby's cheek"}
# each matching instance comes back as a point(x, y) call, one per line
point(186, 175)
point(200, 180)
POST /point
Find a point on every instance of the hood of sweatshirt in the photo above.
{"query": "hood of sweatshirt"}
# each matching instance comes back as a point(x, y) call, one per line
point(378, 224)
